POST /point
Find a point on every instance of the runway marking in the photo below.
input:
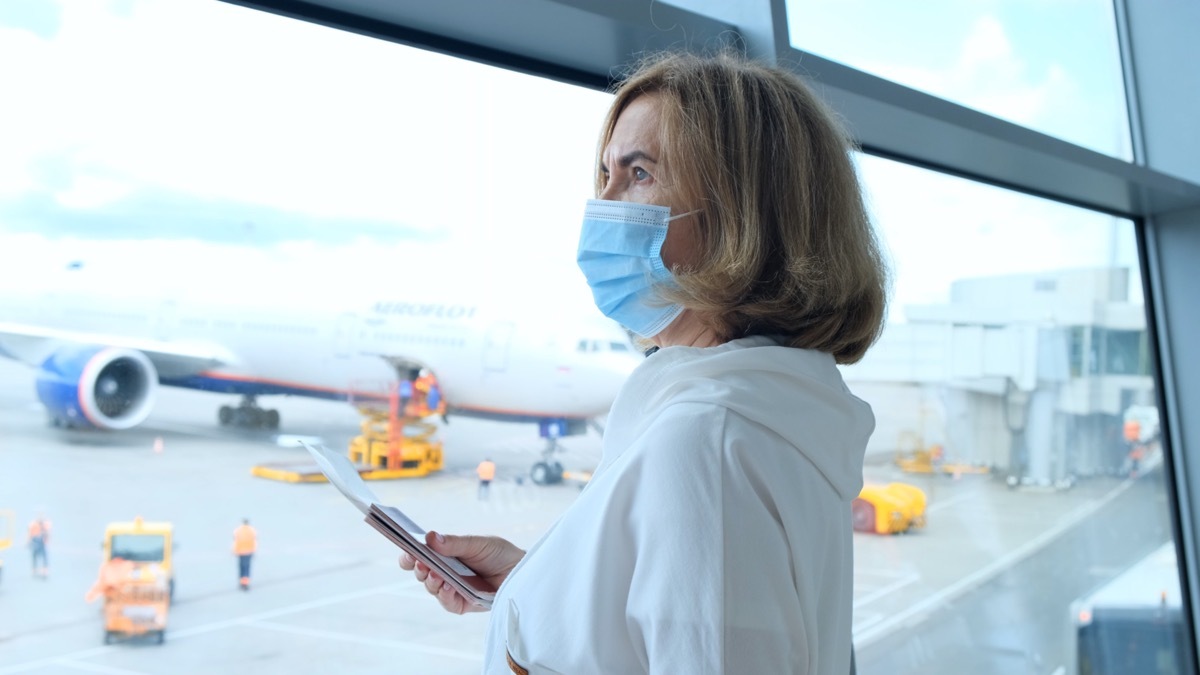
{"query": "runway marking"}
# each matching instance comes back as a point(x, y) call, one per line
point(214, 626)
point(878, 630)
point(284, 611)
point(870, 620)
point(939, 505)
point(370, 642)
point(94, 668)
point(885, 572)
point(910, 578)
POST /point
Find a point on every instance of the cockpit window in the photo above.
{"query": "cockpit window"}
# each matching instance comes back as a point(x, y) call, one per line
point(586, 346)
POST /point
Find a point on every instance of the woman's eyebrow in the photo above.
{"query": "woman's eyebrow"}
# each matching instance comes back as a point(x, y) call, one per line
point(629, 158)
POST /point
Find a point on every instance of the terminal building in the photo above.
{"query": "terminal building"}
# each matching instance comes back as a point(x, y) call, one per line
point(1031, 375)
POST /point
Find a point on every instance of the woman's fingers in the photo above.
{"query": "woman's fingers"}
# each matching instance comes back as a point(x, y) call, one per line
point(434, 583)
point(450, 600)
point(407, 562)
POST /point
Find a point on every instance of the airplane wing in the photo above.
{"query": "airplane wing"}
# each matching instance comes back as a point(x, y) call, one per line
point(34, 344)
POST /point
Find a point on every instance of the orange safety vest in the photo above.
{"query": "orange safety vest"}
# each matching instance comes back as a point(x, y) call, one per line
point(486, 470)
point(40, 529)
point(423, 383)
point(1133, 430)
point(244, 540)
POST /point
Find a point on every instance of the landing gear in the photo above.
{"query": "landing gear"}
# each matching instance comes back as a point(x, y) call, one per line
point(548, 471)
point(247, 415)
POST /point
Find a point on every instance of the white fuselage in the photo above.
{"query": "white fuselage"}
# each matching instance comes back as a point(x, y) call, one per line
point(487, 360)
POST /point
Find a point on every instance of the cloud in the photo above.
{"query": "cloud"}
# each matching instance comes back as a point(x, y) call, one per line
point(226, 103)
point(940, 228)
point(93, 208)
point(340, 276)
point(989, 76)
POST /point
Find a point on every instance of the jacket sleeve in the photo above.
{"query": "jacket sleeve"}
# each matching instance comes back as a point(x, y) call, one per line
point(712, 588)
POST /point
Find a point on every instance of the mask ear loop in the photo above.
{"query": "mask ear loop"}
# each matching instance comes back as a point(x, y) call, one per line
point(684, 214)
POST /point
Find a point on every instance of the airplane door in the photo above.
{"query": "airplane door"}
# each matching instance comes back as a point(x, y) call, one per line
point(495, 347)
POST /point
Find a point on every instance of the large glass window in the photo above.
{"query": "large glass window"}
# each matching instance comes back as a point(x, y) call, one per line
point(183, 172)
point(1050, 66)
point(1011, 388)
point(251, 201)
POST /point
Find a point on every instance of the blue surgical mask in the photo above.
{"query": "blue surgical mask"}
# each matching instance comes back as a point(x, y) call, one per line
point(620, 253)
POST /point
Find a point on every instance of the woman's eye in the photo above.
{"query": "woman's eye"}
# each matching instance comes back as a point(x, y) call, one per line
point(640, 174)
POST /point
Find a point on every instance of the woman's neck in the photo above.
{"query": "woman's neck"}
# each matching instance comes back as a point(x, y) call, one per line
point(687, 331)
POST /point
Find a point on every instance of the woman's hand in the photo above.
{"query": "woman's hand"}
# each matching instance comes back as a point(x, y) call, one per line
point(492, 558)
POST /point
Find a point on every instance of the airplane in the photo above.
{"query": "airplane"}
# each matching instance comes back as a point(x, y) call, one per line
point(102, 350)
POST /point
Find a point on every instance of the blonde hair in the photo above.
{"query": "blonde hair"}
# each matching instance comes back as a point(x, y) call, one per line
point(786, 247)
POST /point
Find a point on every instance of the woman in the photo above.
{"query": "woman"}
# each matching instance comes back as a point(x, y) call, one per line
point(715, 535)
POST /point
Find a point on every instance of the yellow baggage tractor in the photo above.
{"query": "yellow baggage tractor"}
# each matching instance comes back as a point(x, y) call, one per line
point(888, 509)
point(136, 579)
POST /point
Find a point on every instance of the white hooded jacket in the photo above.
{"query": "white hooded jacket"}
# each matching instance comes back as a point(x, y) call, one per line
point(715, 535)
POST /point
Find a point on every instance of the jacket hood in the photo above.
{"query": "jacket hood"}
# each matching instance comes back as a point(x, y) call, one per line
point(797, 393)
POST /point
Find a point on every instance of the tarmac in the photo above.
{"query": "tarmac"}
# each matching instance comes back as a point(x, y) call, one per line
point(983, 587)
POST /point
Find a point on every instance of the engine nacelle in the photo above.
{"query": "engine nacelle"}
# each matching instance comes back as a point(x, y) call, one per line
point(101, 387)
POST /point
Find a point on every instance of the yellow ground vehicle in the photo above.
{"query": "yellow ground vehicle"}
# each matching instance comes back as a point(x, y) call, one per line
point(933, 460)
point(390, 446)
point(888, 509)
point(136, 579)
point(8, 530)
point(396, 447)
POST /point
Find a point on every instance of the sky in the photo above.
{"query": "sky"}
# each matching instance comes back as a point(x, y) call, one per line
point(201, 142)
point(1013, 59)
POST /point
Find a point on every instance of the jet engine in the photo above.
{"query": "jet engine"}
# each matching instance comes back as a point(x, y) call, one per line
point(100, 387)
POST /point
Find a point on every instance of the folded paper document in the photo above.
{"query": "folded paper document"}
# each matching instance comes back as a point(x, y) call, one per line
point(399, 528)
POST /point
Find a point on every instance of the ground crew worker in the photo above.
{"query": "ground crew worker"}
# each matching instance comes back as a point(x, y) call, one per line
point(1133, 437)
point(486, 472)
point(436, 405)
point(245, 541)
point(1133, 431)
point(39, 537)
point(406, 394)
point(422, 386)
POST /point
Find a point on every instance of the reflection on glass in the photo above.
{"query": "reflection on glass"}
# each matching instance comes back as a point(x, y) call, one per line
point(1012, 387)
point(1050, 66)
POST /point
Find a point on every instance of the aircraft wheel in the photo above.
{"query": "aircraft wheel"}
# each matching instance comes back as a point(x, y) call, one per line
point(160, 637)
point(225, 415)
point(271, 419)
point(247, 418)
point(556, 473)
point(540, 473)
point(108, 637)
